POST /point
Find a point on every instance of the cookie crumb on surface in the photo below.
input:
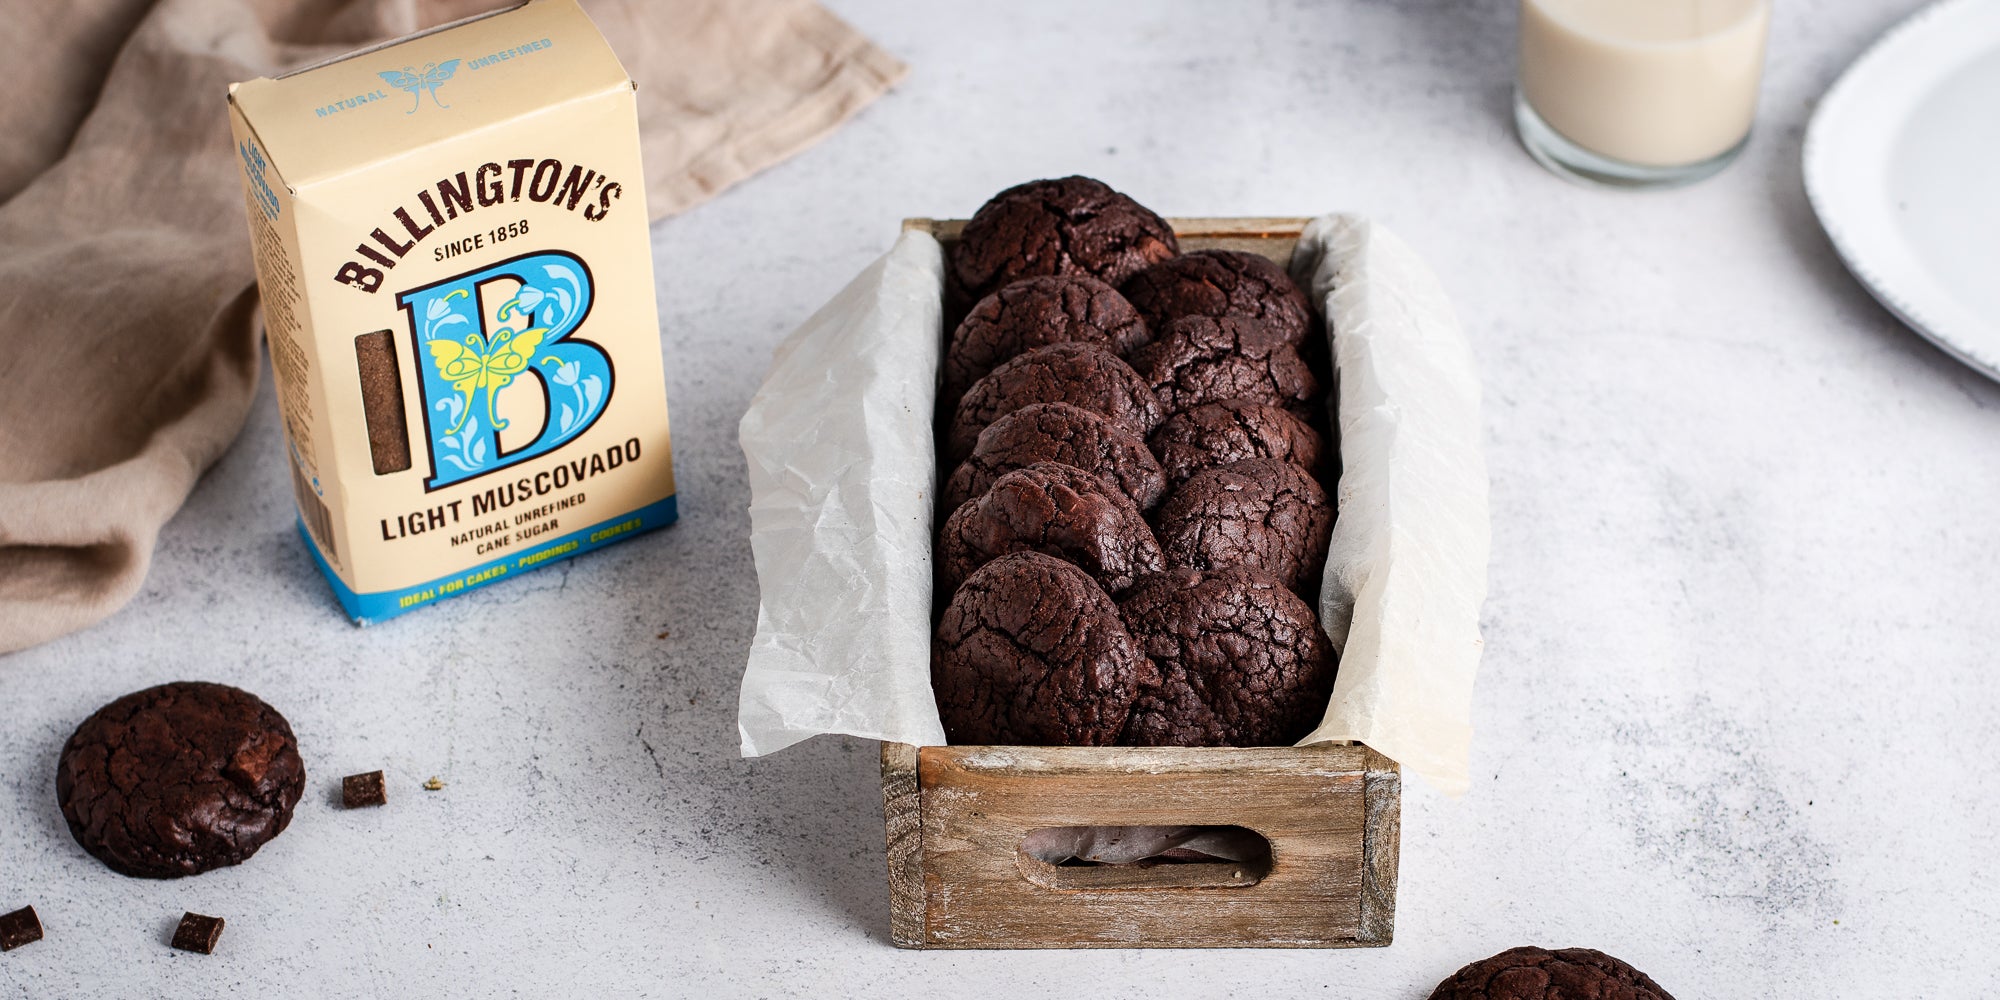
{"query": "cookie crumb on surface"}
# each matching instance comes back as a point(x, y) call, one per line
point(19, 927)
point(198, 934)
point(435, 784)
point(359, 791)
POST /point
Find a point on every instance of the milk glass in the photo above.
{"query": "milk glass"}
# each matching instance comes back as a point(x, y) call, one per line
point(1639, 93)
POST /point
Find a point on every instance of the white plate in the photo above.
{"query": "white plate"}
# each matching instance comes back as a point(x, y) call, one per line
point(1902, 164)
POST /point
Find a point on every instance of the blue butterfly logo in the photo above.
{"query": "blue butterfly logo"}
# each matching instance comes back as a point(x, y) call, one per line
point(417, 81)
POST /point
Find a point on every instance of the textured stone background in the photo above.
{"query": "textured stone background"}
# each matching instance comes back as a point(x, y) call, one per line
point(1737, 717)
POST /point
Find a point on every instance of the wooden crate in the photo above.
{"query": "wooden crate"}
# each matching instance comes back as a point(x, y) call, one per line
point(957, 815)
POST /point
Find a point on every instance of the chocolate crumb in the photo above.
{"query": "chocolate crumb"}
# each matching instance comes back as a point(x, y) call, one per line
point(360, 790)
point(198, 934)
point(435, 784)
point(19, 927)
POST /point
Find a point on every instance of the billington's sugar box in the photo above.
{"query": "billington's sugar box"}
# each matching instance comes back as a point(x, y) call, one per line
point(451, 241)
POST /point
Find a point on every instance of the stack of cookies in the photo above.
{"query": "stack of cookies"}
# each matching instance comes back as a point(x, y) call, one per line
point(1136, 518)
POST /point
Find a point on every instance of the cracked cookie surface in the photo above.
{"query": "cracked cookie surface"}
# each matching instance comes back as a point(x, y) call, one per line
point(1541, 974)
point(1068, 225)
point(179, 779)
point(1059, 432)
point(1232, 430)
point(1037, 312)
point(1057, 510)
point(1242, 660)
point(1219, 283)
point(1083, 375)
point(1032, 652)
point(1205, 359)
point(1261, 512)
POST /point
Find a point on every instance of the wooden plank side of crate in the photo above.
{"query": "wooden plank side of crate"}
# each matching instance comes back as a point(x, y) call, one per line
point(1382, 850)
point(903, 820)
point(978, 803)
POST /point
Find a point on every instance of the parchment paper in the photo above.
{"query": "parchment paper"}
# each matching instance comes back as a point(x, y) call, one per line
point(842, 472)
point(1406, 573)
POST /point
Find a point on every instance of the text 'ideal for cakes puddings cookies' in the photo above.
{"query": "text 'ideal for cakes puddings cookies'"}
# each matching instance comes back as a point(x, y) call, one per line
point(1135, 453)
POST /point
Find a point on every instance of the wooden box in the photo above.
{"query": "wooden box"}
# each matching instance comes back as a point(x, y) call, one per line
point(957, 815)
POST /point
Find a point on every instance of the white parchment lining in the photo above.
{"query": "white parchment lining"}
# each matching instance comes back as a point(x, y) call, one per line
point(842, 478)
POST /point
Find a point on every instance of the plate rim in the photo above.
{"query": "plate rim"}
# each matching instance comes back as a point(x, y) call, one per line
point(1868, 262)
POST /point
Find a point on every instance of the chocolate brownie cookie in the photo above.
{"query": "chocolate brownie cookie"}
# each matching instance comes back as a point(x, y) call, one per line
point(1059, 432)
point(1059, 510)
point(1082, 375)
point(1204, 359)
point(1032, 652)
point(1074, 225)
point(1232, 430)
point(1541, 974)
point(179, 779)
point(1219, 283)
point(1260, 512)
point(1034, 313)
point(1242, 660)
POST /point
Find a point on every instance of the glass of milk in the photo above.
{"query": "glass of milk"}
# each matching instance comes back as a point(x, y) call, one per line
point(1639, 93)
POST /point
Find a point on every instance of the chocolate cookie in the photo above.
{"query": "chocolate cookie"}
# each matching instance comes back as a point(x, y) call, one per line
point(1075, 225)
point(1242, 660)
point(1232, 430)
point(1058, 510)
point(1034, 313)
point(179, 779)
point(1084, 375)
point(1032, 652)
point(1260, 512)
point(1203, 359)
point(1219, 283)
point(1059, 432)
point(1541, 974)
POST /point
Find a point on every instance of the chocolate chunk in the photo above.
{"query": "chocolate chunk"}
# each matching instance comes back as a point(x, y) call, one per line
point(1540, 974)
point(1058, 510)
point(1082, 375)
point(1220, 283)
point(1201, 359)
point(198, 933)
point(179, 779)
point(1032, 652)
point(1037, 312)
point(19, 927)
point(1059, 432)
point(1232, 430)
point(359, 790)
point(1260, 513)
point(1073, 225)
point(1242, 660)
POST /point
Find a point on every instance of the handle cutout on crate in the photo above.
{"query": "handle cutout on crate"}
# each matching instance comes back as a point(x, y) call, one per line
point(1144, 857)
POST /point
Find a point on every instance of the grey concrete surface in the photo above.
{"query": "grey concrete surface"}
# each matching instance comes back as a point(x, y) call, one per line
point(1736, 721)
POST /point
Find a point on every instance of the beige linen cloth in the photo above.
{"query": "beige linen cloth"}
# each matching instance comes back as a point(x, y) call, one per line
point(128, 309)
